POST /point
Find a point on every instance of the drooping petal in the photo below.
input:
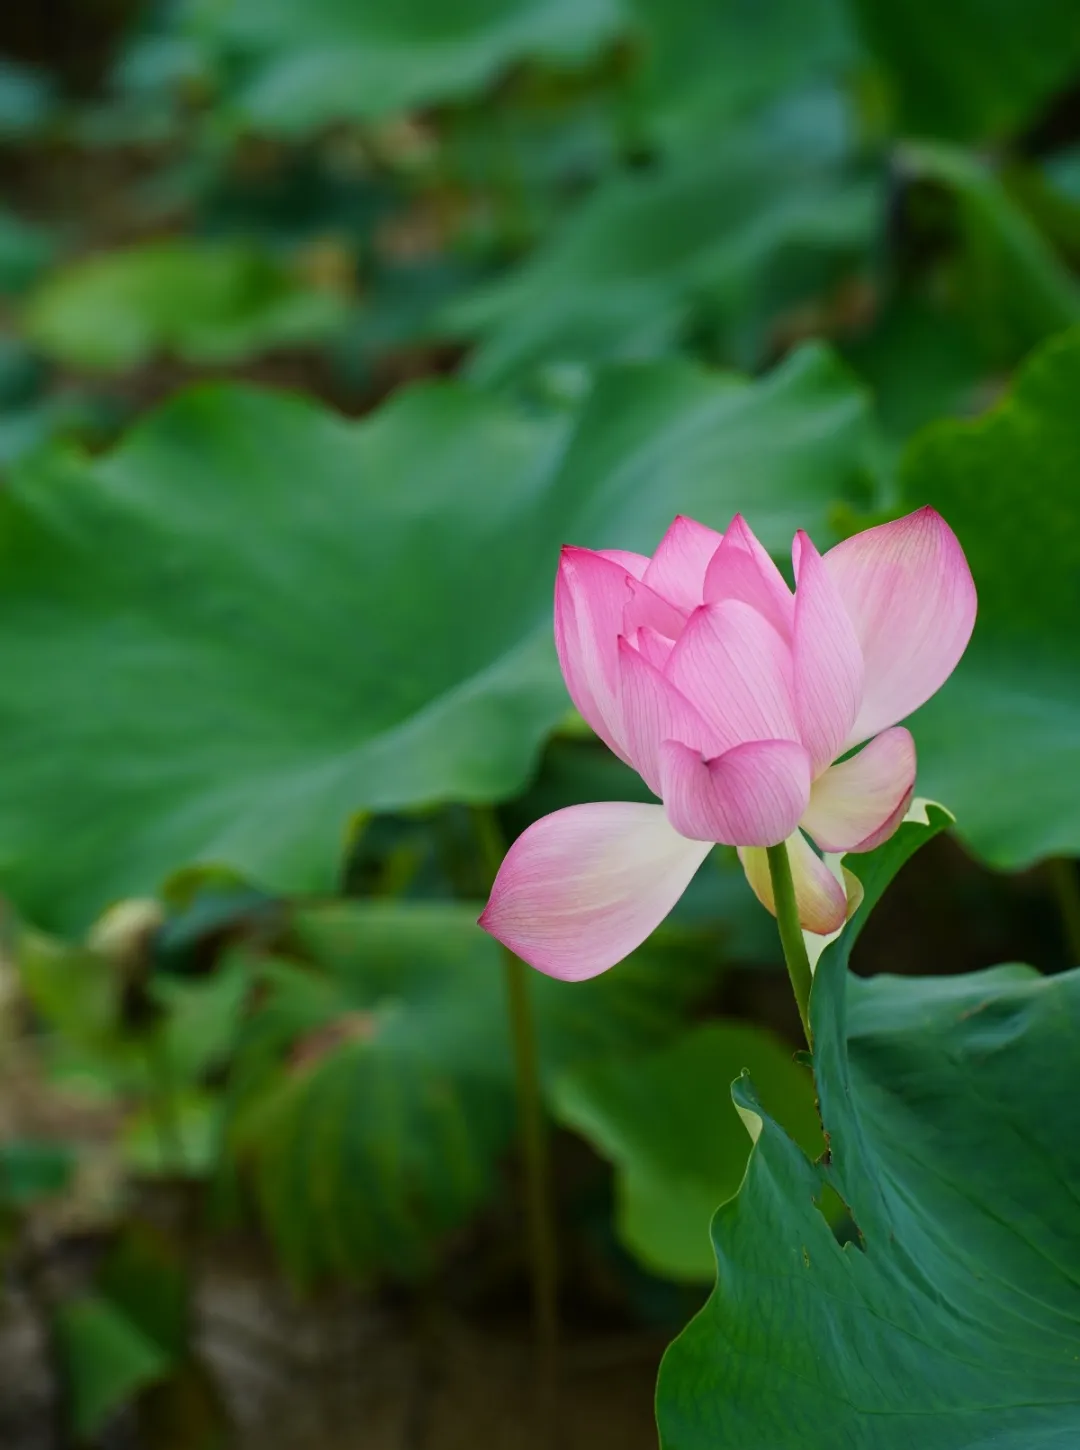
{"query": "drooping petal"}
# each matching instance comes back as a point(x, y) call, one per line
point(819, 896)
point(741, 569)
point(908, 590)
point(828, 665)
point(634, 564)
point(591, 595)
point(859, 803)
point(654, 710)
point(682, 557)
point(853, 890)
point(732, 664)
point(581, 888)
point(752, 795)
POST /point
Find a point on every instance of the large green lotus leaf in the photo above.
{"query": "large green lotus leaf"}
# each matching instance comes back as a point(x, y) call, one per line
point(373, 1090)
point(1000, 744)
point(332, 60)
point(703, 64)
point(199, 302)
point(972, 70)
point(951, 1320)
point(714, 243)
point(1007, 277)
point(665, 1119)
point(922, 362)
point(253, 619)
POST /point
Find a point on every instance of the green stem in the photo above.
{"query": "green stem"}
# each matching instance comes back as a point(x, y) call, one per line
point(535, 1152)
point(791, 937)
point(533, 1125)
point(163, 1108)
point(1067, 888)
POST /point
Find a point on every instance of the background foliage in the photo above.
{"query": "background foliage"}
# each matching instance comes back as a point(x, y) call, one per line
point(322, 326)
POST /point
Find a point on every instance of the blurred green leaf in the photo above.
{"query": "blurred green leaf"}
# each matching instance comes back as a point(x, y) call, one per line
point(144, 1278)
point(75, 990)
point(953, 1320)
point(131, 1333)
point(200, 302)
point(667, 1122)
point(366, 1101)
point(267, 657)
point(179, 1137)
point(922, 362)
point(24, 251)
point(334, 60)
point(714, 245)
point(373, 1089)
point(32, 1169)
point(704, 64)
point(106, 1360)
point(999, 744)
point(201, 1020)
point(970, 70)
point(27, 102)
point(1007, 277)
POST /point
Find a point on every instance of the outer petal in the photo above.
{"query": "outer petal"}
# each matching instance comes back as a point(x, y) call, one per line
point(731, 663)
point(583, 887)
point(634, 564)
point(858, 804)
point(820, 897)
point(591, 595)
point(741, 569)
point(680, 563)
point(910, 595)
point(752, 795)
point(655, 710)
point(827, 658)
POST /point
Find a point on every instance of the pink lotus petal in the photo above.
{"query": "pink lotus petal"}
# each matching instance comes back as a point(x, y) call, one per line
point(858, 804)
point(649, 610)
point(634, 564)
point(731, 663)
point(820, 897)
point(583, 887)
point(654, 710)
point(741, 569)
point(908, 590)
point(752, 795)
point(682, 557)
point(654, 646)
point(591, 595)
point(828, 661)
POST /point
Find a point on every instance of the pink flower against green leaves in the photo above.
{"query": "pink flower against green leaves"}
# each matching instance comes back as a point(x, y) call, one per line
point(737, 702)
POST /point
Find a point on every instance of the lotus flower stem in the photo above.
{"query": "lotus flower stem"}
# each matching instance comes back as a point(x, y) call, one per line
point(543, 1264)
point(791, 937)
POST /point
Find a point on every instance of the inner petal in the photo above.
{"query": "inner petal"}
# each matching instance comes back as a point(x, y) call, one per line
point(733, 665)
point(682, 558)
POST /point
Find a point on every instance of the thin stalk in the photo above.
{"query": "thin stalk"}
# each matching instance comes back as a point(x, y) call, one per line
point(162, 1104)
point(543, 1266)
point(791, 937)
point(1067, 889)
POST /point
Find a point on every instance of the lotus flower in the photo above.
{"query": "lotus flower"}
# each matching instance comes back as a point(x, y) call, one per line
point(737, 702)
